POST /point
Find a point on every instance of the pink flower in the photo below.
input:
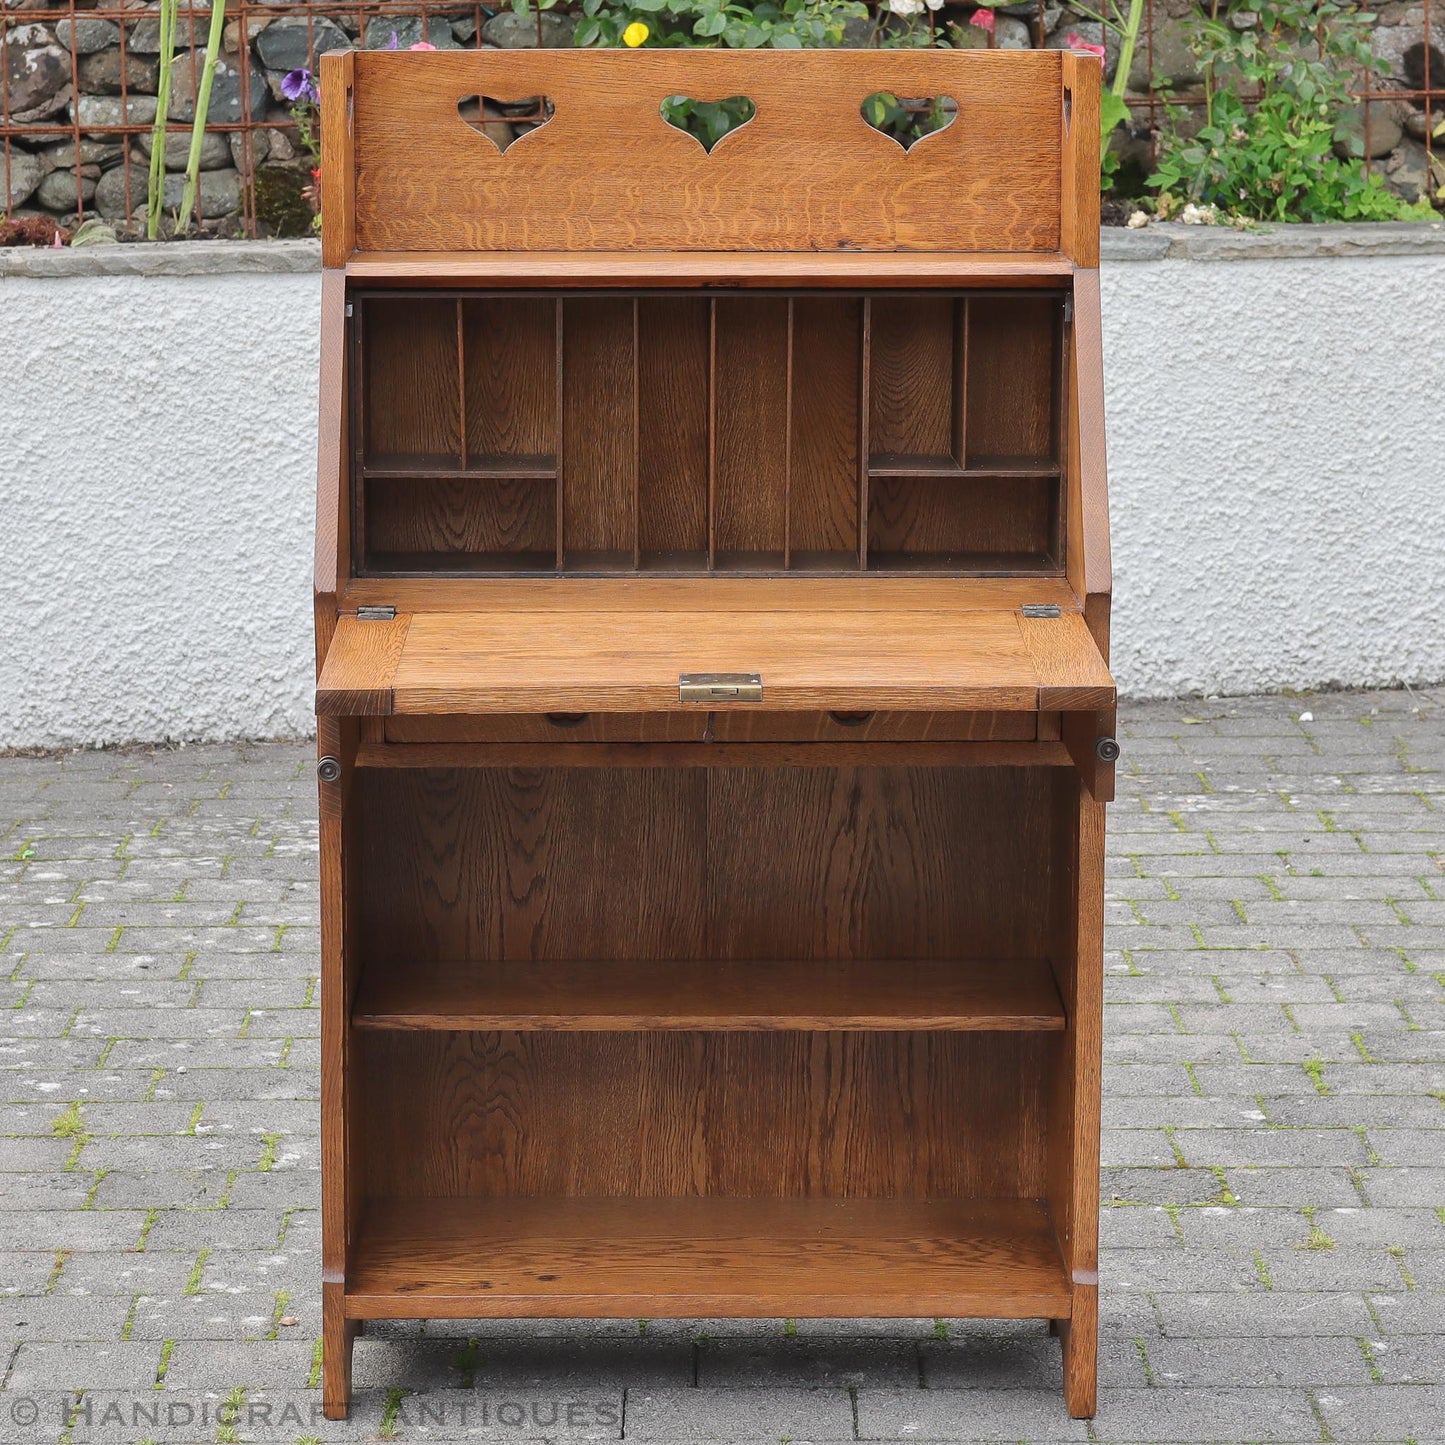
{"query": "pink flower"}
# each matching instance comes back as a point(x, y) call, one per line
point(422, 45)
point(984, 19)
point(1077, 42)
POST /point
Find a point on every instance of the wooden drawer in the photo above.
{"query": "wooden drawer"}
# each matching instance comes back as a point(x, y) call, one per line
point(579, 727)
point(895, 727)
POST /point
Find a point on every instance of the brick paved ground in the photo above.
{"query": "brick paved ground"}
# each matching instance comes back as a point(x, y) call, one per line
point(1274, 1147)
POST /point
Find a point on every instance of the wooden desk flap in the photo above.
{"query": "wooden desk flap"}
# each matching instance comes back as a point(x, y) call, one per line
point(580, 660)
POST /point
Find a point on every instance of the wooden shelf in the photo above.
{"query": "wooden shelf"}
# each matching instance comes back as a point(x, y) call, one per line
point(724, 270)
point(712, 1257)
point(892, 464)
point(418, 467)
point(955, 995)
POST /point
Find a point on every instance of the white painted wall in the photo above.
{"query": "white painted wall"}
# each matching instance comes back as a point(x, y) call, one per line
point(1277, 472)
point(157, 490)
point(1277, 456)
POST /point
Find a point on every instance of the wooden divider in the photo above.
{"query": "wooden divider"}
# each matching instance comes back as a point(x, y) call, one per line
point(687, 434)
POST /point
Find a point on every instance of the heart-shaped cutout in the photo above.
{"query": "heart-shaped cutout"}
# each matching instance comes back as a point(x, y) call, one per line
point(707, 121)
point(909, 119)
point(505, 121)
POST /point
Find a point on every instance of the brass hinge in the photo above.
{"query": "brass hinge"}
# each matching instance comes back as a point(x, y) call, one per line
point(720, 687)
point(376, 614)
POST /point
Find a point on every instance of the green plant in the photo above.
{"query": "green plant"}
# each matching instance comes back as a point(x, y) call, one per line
point(203, 107)
point(1112, 111)
point(909, 120)
point(1273, 95)
point(156, 180)
point(708, 120)
point(775, 24)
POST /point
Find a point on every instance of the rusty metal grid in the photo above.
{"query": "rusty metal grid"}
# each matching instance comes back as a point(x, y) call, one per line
point(249, 16)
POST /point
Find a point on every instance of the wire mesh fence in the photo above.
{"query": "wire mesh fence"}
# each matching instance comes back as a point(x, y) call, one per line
point(78, 92)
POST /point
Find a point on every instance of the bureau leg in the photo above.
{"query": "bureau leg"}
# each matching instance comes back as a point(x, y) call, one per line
point(1079, 1336)
point(337, 1336)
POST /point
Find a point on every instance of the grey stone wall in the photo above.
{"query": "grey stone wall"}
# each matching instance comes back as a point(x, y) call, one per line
point(110, 80)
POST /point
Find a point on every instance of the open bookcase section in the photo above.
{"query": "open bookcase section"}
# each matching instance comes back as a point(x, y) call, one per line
point(692, 434)
point(562, 1119)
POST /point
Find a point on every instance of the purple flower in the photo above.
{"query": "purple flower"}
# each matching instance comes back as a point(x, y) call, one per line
point(393, 43)
point(298, 85)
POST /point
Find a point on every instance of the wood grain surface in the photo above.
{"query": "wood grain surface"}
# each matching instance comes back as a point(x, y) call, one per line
point(607, 173)
point(674, 372)
point(672, 1113)
point(412, 390)
point(709, 270)
point(1011, 380)
point(678, 863)
point(599, 401)
point(581, 661)
point(510, 368)
point(751, 425)
point(911, 375)
point(825, 438)
point(613, 1258)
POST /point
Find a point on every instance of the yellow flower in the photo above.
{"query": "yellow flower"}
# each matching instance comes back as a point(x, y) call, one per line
point(635, 34)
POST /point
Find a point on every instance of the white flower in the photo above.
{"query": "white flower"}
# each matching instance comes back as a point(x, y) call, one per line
point(906, 7)
point(1136, 220)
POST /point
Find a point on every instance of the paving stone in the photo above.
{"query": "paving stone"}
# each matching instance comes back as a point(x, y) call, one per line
point(89, 1366)
point(1334, 1360)
point(796, 1363)
point(1267, 1315)
point(586, 1363)
point(1416, 1313)
point(961, 1415)
point(1019, 1361)
point(1384, 1412)
point(61, 1319)
point(710, 1414)
point(197, 1365)
point(1297, 1062)
point(1223, 1415)
point(1407, 1359)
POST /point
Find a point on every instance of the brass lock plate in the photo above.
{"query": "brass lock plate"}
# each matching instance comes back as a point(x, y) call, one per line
point(716, 687)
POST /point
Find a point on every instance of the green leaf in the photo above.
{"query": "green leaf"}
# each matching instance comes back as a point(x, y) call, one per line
point(588, 30)
point(1112, 112)
point(786, 40)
